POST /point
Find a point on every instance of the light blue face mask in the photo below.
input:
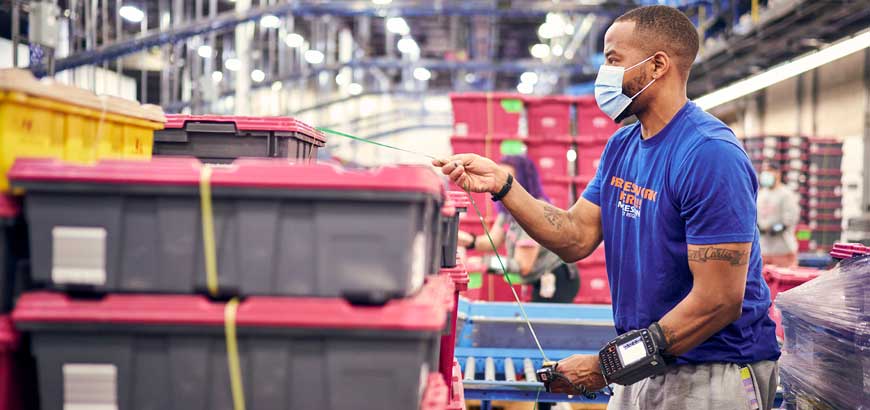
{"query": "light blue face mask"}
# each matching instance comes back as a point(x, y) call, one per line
point(608, 89)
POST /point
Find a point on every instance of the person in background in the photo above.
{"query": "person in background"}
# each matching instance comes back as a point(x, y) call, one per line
point(778, 213)
point(553, 280)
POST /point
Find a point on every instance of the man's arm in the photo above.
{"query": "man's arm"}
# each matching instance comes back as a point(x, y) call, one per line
point(716, 298)
point(571, 234)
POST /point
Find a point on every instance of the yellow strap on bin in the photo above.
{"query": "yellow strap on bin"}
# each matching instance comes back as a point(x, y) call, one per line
point(208, 242)
point(233, 365)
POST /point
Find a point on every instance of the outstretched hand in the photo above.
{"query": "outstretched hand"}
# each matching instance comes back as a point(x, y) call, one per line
point(472, 172)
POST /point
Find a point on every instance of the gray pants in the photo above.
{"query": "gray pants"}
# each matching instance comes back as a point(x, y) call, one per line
point(714, 386)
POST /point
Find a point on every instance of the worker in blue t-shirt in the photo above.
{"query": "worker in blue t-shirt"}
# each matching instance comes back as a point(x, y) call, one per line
point(674, 200)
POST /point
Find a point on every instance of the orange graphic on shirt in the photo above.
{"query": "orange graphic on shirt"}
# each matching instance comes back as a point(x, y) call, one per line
point(631, 196)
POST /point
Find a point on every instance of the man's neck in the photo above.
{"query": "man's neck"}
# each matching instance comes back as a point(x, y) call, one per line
point(659, 113)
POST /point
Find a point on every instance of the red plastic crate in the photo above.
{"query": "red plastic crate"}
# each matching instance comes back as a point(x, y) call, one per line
point(782, 279)
point(588, 157)
point(551, 156)
point(848, 250)
point(548, 116)
point(559, 191)
point(483, 146)
point(9, 389)
point(436, 395)
point(593, 125)
point(459, 278)
point(485, 113)
point(457, 391)
point(595, 260)
point(594, 286)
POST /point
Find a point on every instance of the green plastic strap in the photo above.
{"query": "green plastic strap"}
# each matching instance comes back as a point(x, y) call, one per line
point(368, 141)
point(482, 222)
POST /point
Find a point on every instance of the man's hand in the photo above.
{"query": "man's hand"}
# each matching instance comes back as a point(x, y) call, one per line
point(473, 172)
point(582, 370)
point(464, 239)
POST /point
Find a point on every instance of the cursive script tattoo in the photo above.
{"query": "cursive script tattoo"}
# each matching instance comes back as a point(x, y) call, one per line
point(553, 216)
point(669, 334)
point(705, 254)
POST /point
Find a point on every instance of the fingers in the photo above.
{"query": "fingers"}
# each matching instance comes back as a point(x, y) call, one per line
point(458, 171)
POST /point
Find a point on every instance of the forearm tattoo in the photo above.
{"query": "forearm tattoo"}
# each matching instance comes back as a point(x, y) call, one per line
point(705, 254)
point(669, 334)
point(553, 216)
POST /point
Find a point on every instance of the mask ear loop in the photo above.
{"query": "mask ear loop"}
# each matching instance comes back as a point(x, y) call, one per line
point(650, 83)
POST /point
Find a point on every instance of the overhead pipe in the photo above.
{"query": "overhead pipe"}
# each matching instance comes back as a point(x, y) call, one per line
point(432, 65)
point(230, 19)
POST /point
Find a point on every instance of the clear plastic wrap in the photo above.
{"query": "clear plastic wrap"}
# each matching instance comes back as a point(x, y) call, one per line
point(826, 356)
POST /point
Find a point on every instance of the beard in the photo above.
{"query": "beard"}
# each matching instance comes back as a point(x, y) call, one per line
point(633, 87)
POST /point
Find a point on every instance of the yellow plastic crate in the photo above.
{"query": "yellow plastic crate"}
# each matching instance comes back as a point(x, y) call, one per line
point(58, 121)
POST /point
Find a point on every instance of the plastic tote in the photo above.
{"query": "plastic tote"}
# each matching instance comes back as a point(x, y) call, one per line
point(176, 351)
point(270, 227)
point(10, 378)
point(50, 120)
point(223, 138)
point(9, 210)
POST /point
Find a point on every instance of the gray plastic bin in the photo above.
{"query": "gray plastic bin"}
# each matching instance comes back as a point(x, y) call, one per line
point(169, 352)
point(280, 229)
point(222, 139)
point(11, 236)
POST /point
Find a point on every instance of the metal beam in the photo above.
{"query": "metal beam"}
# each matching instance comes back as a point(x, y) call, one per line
point(228, 20)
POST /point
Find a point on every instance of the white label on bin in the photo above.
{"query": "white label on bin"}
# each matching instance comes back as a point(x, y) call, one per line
point(424, 379)
point(461, 129)
point(548, 122)
point(89, 386)
point(418, 261)
point(547, 162)
point(78, 255)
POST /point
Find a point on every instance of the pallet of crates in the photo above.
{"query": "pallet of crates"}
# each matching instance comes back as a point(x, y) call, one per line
point(781, 279)
point(220, 139)
point(330, 265)
point(825, 361)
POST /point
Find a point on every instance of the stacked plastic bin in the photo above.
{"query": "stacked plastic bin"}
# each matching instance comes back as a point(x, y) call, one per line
point(826, 354)
point(221, 139)
point(172, 284)
point(11, 378)
point(781, 279)
point(823, 192)
point(52, 120)
point(593, 129)
point(811, 167)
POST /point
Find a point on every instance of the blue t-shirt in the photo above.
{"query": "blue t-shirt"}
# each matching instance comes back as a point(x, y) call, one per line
point(692, 183)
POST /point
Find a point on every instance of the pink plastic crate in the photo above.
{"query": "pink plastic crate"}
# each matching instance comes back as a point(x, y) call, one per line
point(592, 124)
point(782, 279)
point(9, 388)
point(483, 146)
point(588, 157)
point(436, 395)
point(551, 156)
point(457, 391)
point(459, 278)
point(594, 287)
point(486, 113)
point(594, 260)
point(559, 191)
point(548, 116)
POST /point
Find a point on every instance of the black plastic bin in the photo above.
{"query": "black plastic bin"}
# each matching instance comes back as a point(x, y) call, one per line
point(137, 352)
point(279, 229)
point(458, 203)
point(221, 139)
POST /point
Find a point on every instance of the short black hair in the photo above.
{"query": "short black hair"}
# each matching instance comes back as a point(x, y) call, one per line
point(667, 29)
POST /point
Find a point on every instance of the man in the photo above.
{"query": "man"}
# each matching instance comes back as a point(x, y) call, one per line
point(778, 213)
point(674, 201)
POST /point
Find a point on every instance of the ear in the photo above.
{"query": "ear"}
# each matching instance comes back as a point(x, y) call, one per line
point(661, 64)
